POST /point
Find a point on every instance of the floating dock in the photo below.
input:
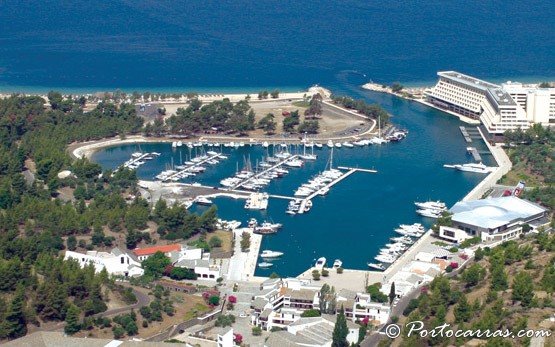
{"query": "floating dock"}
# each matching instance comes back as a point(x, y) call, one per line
point(239, 185)
point(475, 154)
point(188, 168)
point(350, 171)
point(465, 134)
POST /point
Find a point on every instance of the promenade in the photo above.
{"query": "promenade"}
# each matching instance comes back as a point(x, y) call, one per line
point(504, 165)
point(243, 264)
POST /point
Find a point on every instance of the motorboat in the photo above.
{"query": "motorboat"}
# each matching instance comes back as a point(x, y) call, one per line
point(265, 265)
point(338, 145)
point(320, 263)
point(265, 144)
point(385, 258)
point(429, 213)
point(348, 144)
point(377, 266)
point(472, 167)
point(266, 228)
point(337, 263)
point(330, 143)
point(201, 200)
point(432, 205)
point(270, 254)
point(318, 145)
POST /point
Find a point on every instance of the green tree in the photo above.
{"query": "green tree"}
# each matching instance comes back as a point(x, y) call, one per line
point(473, 275)
point(340, 331)
point(311, 313)
point(463, 310)
point(392, 294)
point(523, 288)
point(72, 320)
point(215, 241)
point(156, 264)
point(15, 322)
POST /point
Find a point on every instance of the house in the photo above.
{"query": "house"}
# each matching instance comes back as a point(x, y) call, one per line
point(226, 339)
point(117, 262)
point(143, 253)
point(201, 267)
point(494, 219)
point(359, 306)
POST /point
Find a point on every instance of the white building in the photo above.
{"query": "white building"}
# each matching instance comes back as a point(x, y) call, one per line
point(226, 340)
point(359, 306)
point(116, 262)
point(201, 267)
point(495, 219)
point(499, 107)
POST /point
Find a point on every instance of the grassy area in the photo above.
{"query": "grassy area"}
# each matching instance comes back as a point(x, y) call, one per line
point(302, 103)
point(195, 311)
point(226, 238)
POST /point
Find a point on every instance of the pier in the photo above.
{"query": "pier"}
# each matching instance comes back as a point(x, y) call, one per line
point(134, 161)
point(475, 154)
point(465, 134)
point(188, 168)
point(350, 171)
point(239, 185)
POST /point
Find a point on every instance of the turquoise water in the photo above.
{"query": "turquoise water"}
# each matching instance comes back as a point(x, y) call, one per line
point(359, 214)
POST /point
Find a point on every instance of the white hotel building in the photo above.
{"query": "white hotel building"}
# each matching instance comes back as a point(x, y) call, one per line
point(499, 107)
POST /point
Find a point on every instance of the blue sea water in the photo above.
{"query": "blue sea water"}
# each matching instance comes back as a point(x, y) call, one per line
point(221, 46)
point(233, 45)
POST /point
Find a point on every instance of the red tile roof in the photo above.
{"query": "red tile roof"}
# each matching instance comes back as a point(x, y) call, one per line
point(152, 250)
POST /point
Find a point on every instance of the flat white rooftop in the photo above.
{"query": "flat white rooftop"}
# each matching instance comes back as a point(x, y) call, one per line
point(467, 80)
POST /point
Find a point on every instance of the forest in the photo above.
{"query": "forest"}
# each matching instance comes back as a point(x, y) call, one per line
point(38, 222)
point(532, 153)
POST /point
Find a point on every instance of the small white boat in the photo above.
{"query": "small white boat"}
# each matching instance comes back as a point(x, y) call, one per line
point(201, 200)
point(330, 144)
point(338, 145)
point(318, 145)
point(265, 144)
point(174, 144)
point(337, 263)
point(179, 143)
point(265, 265)
point(377, 266)
point(348, 144)
point(270, 254)
point(429, 213)
point(320, 263)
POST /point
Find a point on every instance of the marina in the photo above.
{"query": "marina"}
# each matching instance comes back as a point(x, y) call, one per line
point(401, 180)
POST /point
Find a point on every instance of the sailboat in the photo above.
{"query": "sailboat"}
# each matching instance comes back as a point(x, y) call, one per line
point(305, 156)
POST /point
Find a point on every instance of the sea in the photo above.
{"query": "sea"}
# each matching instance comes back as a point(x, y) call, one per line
point(246, 46)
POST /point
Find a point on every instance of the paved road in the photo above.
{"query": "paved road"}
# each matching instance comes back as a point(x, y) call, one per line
point(142, 300)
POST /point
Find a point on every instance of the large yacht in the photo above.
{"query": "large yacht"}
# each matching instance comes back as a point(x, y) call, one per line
point(472, 167)
point(432, 205)
point(270, 254)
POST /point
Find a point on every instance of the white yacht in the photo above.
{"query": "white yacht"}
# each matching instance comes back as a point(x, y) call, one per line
point(337, 263)
point(471, 167)
point(385, 258)
point(431, 205)
point(201, 200)
point(318, 145)
point(265, 144)
point(330, 143)
point(348, 144)
point(270, 254)
point(429, 213)
point(338, 145)
point(265, 265)
point(320, 263)
point(377, 266)
point(179, 143)
point(174, 144)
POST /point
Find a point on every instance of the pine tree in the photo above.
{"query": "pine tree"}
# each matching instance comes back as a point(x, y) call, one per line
point(340, 331)
point(72, 320)
point(392, 293)
point(16, 322)
point(463, 310)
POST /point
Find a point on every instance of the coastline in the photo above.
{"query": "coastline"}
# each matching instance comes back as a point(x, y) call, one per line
point(419, 91)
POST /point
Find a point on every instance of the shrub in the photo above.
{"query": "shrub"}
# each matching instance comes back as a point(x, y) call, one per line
point(316, 275)
point(214, 300)
point(339, 270)
point(325, 273)
point(118, 332)
point(257, 331)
